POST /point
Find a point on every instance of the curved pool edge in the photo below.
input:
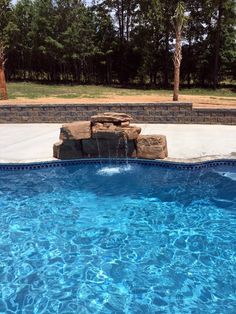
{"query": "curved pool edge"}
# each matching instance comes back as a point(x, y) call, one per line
point(184, 165)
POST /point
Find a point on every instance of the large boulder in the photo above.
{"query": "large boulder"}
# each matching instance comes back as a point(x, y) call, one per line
point(111, 117)
point(132, 132)
point(67, 150)
point(76, 131)
point(152, 147)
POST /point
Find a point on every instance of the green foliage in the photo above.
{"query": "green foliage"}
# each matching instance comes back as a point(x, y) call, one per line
point(5, 16)
point(125, 41)
point(180, 18)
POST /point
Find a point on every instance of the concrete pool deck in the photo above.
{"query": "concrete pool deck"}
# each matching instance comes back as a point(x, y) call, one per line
point(186, 142)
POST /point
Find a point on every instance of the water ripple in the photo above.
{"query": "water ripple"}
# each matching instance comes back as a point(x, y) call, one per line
point(84, 239)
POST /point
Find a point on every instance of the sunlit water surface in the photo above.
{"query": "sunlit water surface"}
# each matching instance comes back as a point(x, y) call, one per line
point(118, 239)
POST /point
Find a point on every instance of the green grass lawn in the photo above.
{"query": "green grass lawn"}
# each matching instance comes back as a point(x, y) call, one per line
point(35, 90)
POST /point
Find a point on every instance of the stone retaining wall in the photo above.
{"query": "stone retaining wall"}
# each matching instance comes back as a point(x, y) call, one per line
point(142, 113)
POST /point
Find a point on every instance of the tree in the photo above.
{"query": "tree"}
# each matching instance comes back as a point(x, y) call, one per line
point(215, 49)
point(3, 85)
point(44, 39)
point(217, 43)
point(4, 10)
point(119, 41)
point(179, 21)
point(167, 11)
point(150, 37)
point(194, 38)
point(223, 36)
point(19, 43)
point(228, 45)
point(76, 36)
point(105, 43)
point(123, 13)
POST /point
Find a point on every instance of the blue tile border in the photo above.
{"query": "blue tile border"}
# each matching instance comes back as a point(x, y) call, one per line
point(157, 163)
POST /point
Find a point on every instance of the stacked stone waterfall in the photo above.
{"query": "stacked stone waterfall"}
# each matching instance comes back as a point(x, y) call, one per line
point(108, 135)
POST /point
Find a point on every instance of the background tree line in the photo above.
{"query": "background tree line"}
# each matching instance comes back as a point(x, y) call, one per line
point(117, 41)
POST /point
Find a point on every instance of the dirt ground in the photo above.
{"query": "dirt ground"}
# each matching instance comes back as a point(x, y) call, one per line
point(198, 101)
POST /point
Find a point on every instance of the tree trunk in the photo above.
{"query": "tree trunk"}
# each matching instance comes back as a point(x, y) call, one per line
point(3, 85)
point(177, 63)
point(109, 70)
point(122, 45)
point(155, 79)
point(217, 45)
point(151, 78)
point(76, 72)
point(166, 57)
point(189, 69)
point(176, 84)
point(189, 79)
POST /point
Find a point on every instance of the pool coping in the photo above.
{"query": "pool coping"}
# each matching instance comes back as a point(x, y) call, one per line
point(174, 164)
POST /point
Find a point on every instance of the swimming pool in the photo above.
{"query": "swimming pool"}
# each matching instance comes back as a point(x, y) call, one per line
point(91, 237)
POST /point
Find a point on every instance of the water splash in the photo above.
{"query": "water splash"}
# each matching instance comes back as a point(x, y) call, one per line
point(112, 170)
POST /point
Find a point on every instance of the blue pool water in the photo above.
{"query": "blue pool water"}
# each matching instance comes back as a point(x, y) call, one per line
point(118, 239)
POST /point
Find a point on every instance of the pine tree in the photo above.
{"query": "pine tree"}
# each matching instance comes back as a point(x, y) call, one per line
point(105, 43)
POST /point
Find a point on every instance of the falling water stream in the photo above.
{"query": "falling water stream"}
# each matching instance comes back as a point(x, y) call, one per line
point(111, 169)
point(126, 149)
point(99, 151)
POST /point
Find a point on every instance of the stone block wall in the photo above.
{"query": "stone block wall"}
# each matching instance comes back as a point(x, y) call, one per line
point(173, 113)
